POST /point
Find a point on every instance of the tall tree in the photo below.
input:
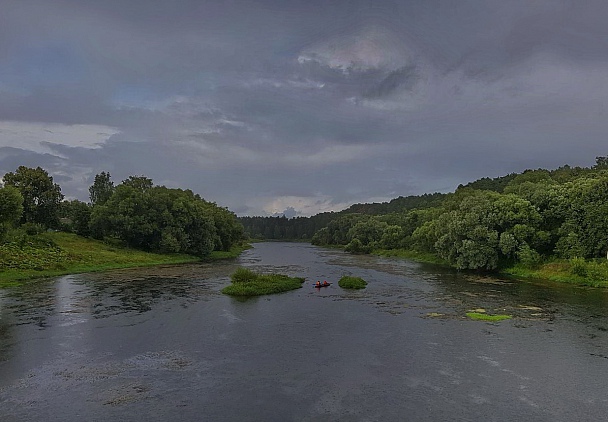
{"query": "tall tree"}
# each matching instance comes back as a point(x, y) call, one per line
point(102, 189)
point(11, 208)
point(41, 197)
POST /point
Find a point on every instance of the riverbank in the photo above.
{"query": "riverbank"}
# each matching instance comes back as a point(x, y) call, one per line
point(55, 254)
point(576, 271)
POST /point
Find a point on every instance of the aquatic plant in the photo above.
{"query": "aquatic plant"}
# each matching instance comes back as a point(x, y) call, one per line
point(485, 317)
point(348, 282)
point(248, 283)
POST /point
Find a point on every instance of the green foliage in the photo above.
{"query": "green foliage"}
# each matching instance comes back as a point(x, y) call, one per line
point(54, 253)
point(485, 317)
point(102, 189)
point(41, 197)
point(75, 217)
point(243, 275)
point(248, 283)
point(585, 229)
point(32, 229)
point(11, 208)
point(157, 218)
point(349, 282)
point(484, 229)
point(578, 266)
point(356, 246)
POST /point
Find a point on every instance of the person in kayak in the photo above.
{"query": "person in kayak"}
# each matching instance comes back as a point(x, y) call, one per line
point(325, 283)
point(318, 283)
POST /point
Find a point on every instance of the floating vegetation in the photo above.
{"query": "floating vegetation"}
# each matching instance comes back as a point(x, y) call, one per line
point(348, 282)
point(248, 283)
point(478, 316)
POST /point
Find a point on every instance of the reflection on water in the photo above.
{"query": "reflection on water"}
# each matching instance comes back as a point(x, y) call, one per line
point(164, 344)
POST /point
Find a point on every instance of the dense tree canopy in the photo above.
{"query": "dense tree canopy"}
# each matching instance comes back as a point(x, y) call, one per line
point(41, 197)
point(538, 214)
point(157, 218)
point(11, 208)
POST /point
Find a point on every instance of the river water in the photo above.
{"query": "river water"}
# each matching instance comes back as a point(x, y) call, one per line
point(163, 344)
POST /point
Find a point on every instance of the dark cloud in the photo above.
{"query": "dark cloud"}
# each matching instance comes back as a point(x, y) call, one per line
point(301, 106)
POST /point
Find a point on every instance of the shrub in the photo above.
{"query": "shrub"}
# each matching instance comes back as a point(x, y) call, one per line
point(578, 266)
point(243, 275)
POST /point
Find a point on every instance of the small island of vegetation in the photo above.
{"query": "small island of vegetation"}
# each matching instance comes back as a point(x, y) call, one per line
point(478, 316)
point(349, 282)
point(248, 283)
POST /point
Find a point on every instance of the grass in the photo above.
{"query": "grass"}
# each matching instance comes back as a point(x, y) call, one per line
point(54, 254)
point(578, 271)
point(348, 282)
point(574, 271)
point(485, 317)
point(247, 283)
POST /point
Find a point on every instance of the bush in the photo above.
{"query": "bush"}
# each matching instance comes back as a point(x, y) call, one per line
point(578, 266)
point(348, 282)
point(243, 275)
point(33, 229)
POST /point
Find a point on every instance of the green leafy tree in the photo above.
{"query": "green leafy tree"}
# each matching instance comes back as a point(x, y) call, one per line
point(157, 218)
point(75, 217)
point(584, 233)
point(102, 189)
point(485, 229)
point(369, 232)
point(11, 208)
point(41, 197)
point(140, 183)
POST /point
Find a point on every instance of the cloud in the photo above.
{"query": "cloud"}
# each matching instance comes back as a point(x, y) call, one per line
point(41, 137)
point(272, 105)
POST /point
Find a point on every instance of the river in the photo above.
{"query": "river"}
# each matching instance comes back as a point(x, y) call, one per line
point(163, 344)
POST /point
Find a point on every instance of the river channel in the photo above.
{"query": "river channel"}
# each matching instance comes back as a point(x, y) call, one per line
point(163, 344)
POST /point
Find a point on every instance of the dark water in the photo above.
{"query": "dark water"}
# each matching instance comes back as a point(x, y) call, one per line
point(164, 345)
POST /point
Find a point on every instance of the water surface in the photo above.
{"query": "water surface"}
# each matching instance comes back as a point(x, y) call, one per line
point(164, 344)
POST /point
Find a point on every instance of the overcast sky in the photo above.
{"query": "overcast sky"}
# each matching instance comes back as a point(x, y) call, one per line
point(301, 106)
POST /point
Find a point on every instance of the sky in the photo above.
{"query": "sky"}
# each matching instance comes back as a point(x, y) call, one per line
point(298, 107)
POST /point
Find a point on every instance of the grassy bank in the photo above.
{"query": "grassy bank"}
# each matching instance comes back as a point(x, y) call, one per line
point(54, 254)
point(576, 271)
point(247, 283)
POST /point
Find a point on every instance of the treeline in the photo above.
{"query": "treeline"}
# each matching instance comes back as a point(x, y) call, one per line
point(135, 212)
point(489, 224)
point(283, 228)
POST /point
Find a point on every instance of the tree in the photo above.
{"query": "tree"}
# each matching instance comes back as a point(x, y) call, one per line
point(75, 217)
point(485, 229)
point(157, 218)
point(601, 163)
point(140, 183)
point(102, 189)
point(11, 208)
point(41, 197)
point(584, 233)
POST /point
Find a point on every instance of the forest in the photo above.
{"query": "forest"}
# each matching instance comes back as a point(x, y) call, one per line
point(521, 220)
point(135, 213)
point(526, 219)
